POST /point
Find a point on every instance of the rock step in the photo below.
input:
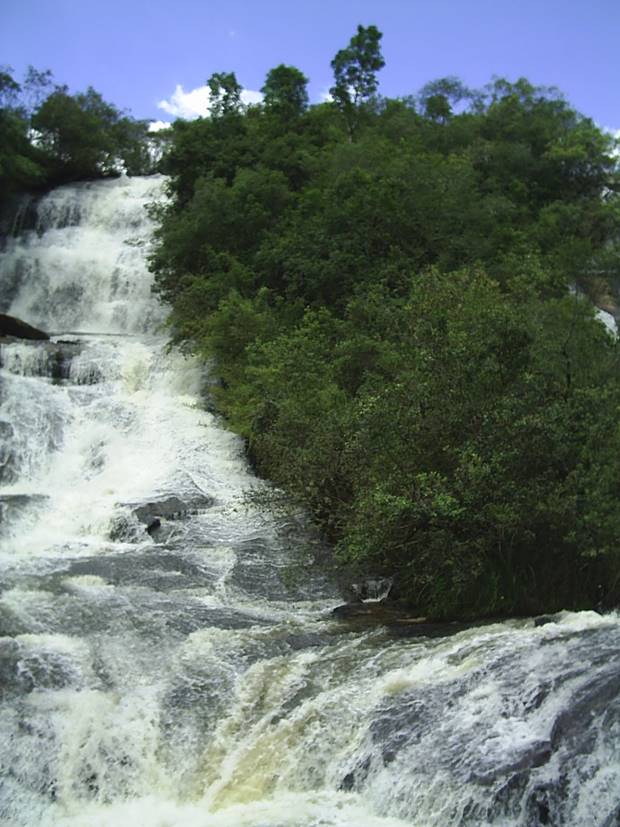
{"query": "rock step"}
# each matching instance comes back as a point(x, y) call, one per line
point(153, 514)
point(12, 326)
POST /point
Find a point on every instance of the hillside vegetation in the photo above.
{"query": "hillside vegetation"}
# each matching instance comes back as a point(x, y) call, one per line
point(50, 137)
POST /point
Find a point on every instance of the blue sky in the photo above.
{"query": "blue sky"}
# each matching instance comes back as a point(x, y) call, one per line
point(138, 52)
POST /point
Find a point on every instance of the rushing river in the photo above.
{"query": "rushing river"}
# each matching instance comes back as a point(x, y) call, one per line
point(193, 676)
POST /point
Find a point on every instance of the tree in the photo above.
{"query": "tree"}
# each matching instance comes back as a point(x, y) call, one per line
point(20, 167)
point(36, 87)
point(225, 94)
point(355, 72)
point(440, 96)
point(9, 88)
point(390, 321)
point(84, 136)
point(285, 91)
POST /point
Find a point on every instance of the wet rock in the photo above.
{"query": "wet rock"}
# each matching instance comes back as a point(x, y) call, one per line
point(53, 359)
point(356, 610)
point(539, 806)
point(170, 508)
point(376, 589)
point(153, 523)
point(191, 616)
point(12, 326)
point(375, 611)
point(354, 780)
point(12, 504)
point(532, 756)
point(153, 517)
point(258, 573)
point(397, 726)
point(124, 528)
point(24, 671)
point(6, 430)
point(63, 353)
point(9, 655)
point(7, 473)
point(151, 513)
point(601, 696)
point(542, 620)
point(399, 620)
point(407, 626)
point(156, 568)
point(613, 819)
point(306, 641)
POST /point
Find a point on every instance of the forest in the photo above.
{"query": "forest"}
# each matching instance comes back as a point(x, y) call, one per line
point(398, 299)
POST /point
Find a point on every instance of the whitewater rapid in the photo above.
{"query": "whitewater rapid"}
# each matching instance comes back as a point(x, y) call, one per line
point(193, 676)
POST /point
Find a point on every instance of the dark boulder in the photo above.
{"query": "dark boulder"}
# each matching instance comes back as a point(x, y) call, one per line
point(542, 620)
point(152, 524)
point(154, 516)
point(373, 589)
point(398, 620)
point(11, 505)
point(371, 612)
point(11, 326)
point(405, 626)
point(353, 610)
point(150, 513)
point(7, 472)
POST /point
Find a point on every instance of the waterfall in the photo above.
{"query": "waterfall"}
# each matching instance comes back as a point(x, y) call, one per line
point(84, 266)
point(168, 657)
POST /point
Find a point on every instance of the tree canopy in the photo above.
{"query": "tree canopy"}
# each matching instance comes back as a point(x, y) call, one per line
point(285, 91)
point(384, 288)
point(225, 94)
point(49, 136)
point(355, 72)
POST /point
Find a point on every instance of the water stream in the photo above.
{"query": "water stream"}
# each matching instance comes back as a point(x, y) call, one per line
point(193, 676)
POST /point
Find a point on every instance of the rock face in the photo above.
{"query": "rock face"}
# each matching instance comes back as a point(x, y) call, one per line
point(373, 589)
point(151, 514)
point(172, 508)
point(154, 517)
point(12, 504)
point(10, 326)
point(6, 434)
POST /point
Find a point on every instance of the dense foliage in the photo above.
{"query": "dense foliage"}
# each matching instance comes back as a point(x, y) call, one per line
point(383, 287)
point(50, 137)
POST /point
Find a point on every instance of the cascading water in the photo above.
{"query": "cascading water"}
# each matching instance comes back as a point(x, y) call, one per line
point(189, 676)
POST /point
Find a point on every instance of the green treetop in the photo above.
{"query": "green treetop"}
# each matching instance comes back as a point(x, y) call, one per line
point(355, 72)
point(225, 94)
point(285, 91)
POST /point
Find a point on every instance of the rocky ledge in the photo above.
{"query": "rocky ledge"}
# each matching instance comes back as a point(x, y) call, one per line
point(10, 326)
point(154, 517)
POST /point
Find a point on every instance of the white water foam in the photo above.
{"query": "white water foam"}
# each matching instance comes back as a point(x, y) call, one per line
point(85, 268)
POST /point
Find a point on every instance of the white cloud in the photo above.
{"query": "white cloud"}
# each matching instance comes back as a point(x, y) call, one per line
point(157, 126)
point(182, 104)
point(250, 96)
point(610, 131)
point(195, 103)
